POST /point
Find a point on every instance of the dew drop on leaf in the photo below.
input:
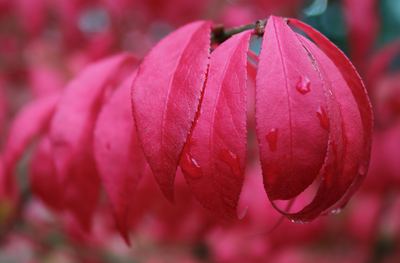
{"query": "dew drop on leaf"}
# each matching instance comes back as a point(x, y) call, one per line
point(191, 167)
point(299, 222)
point(323, 118)
point(335, 211)
point(243, 213)
point(303, 85)
point(272, 137)
point(232, 160)
point(363, 169)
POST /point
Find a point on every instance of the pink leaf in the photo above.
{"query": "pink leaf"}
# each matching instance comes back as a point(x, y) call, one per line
point(43, 177)
point(165, 98)
point(358, 90)
point(345, 140)
point(72, 130)
point(32, 120)
point(118, 156)
point(214, 157)
point(363, 22)
point(3, 106)
point(45, 80)
point(291, 113)
point(379, 65)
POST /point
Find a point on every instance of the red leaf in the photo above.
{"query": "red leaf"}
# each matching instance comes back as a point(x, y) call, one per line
point(358, 90)
point(363, 24)
point(72, 130)
point(345, 140)
point(43, 176)
point(386, 99)
point(379, 65)
point(291, 121)
point(214, 157)
point(32, 120)
point(3, 106)
point(45, 80)
point(118, 156)
point(165, 98)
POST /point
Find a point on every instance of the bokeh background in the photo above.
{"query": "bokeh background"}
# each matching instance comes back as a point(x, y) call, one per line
point(46, 43)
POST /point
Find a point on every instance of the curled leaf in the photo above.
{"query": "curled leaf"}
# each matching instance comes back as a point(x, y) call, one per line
point(165, 98)
point(360, 95)
point(30, 122)
point(292, 124)
point(71, 133)
point(214, 157)
point(118, 155)
point(345, 139)
point(43, 177)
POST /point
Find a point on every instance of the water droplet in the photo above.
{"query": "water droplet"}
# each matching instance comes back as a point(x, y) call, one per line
point(272, 171)
point(323, 118)
point(233, 161)
point(190, 166)
point(363, 168)
point(335, 211)
point(243, 213)
point(272, 138)
point(303, 85)
point(299, 222)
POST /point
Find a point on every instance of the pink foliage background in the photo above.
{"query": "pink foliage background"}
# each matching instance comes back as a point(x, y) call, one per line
point(46, 43)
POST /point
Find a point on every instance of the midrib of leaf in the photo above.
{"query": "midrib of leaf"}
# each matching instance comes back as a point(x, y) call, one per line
point(214, 110)
point(170, 85)
point(290, 113)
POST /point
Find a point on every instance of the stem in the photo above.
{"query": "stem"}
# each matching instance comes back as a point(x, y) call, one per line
point(219, 34)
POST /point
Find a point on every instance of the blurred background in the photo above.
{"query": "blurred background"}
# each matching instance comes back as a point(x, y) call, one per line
point(45, 43)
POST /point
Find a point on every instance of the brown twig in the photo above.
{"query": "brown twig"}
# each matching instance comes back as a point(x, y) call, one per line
point(219, 35)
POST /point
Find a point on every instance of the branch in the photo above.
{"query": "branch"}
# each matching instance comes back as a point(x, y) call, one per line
point(219, 35)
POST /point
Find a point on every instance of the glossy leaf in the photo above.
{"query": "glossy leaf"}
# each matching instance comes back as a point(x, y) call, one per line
point(345, 140)
point(165, 98)
point(291, 122)
point(118, 155)
point(72, 130)
point(358, 90)
point(214, 157)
